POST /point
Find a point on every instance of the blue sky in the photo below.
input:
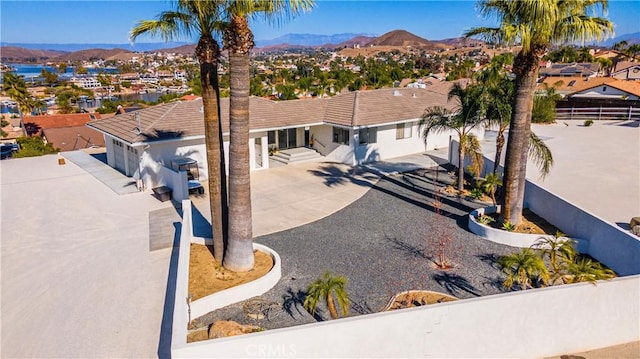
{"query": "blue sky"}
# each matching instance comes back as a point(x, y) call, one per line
point(93, 21)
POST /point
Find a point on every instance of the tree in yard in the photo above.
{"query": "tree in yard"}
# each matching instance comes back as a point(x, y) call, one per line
point(15, 87)
point(544, 105)
point(489, 184)
point(201, 18)
point(523, 268)
point(324, 290)
point(559, 251)
point(535, 25)
point(238, 41)
point(463, 119)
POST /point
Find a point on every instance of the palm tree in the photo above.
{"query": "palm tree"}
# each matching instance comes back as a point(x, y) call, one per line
point(238, 40)
point(586, 270)
point(560, 252)
point(201, 18)
point(522, 268)
point(323, 290)
point(489, 185)
point(466, 116)
point(535, 25)
point(498, 95)
point(16, 88)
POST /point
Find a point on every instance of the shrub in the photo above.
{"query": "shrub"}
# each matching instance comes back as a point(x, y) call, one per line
point(484, 219)
point(476, 193)
point(588, 123)
point(508, 226)
point(34, 146)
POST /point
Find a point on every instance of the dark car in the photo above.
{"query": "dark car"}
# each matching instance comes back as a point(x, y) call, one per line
point(7, 149)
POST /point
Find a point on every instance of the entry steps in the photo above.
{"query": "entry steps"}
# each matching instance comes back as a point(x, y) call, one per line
point(296, 155)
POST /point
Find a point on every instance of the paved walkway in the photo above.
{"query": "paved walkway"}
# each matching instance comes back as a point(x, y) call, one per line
point(106, 174)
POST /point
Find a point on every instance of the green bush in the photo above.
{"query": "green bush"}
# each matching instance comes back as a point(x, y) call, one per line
point(508, 226)
point(476, 193)
point(34, 146)
point(588, 123)
point(484, 219)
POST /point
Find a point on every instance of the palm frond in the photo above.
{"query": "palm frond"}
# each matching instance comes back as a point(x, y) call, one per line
point(540, 154)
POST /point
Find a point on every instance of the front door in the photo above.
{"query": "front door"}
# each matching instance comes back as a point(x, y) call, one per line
point(287, 138)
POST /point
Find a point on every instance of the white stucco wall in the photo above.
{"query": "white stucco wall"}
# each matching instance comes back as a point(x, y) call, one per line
point(528, 324)
point(160, 154)
point(323, 143)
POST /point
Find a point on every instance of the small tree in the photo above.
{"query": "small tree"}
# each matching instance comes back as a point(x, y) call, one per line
point(523, 268)
point(323, 290)
point(586, 270)
point(34, 146)
point(489, 184)
point(560, 251)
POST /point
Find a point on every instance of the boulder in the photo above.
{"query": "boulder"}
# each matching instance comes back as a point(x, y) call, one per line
point(229, 328)
point(635, 221)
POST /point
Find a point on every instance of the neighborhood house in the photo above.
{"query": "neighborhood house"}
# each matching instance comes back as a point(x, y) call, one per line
point(351, 128)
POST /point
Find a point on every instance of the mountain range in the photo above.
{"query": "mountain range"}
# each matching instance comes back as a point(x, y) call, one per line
point(17, 52)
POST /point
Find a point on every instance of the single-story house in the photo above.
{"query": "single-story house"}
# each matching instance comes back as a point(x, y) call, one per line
point(616, 90)
point(626, 70)
point(65, 131)
point(584, 69)
point(352, 128)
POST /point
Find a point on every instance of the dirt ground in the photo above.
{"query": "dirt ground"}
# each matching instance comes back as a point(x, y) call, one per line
point(418, 298)
point(207, 276)
point(531, 224)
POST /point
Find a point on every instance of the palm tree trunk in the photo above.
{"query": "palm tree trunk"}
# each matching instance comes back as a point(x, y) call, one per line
point(239, 256)
point(526, 70)
point(461, 167)
point(499, 146)
point(331, 305)
point(208, 53)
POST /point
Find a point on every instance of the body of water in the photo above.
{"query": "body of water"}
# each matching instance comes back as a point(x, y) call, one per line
point(34, 70)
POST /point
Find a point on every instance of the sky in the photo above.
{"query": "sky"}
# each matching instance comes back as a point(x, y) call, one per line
point(109, 22)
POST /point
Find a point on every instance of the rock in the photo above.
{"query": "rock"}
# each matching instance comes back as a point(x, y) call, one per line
point(636, 230)
point(229, 328)
point(635, 221)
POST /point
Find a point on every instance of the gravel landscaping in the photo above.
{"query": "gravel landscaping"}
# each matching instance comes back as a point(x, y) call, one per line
point(384, 243)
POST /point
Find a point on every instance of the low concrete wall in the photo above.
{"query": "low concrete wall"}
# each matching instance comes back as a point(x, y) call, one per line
point(184, 310)
point(242, 292)
point(520, 240)
point(615, 247)
point(530, 324)
point(611, 245)
point(175, 180)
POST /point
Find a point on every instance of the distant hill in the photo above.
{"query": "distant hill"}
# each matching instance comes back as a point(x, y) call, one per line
point(17, 54)
point(309, 40)
point(92, 55)
point(182, 50)
point(631, 39)
point(140, 47)
point(405, 39)
point(462, 41)
point(358, 40)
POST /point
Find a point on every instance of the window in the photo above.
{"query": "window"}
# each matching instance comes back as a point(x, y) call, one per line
point(604, 89)
point(368, 135)
point(341, 136)
point(403, 130)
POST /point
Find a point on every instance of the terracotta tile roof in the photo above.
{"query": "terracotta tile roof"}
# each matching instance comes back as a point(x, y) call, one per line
point(73, 138)
point(34, 124)
point(574, 83)
point(632, 87)
point(361, 108)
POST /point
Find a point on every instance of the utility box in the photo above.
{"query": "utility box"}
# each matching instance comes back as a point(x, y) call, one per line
point(162, 193)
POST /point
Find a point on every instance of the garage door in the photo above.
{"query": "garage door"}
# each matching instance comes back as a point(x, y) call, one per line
point(118, 155)
point(132, 158)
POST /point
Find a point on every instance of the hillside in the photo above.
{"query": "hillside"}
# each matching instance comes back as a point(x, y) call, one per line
point(358, 40)
point(405, 39)
point(182, 50)
point(462, 41)
point(19, 54)
point(92, 55)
